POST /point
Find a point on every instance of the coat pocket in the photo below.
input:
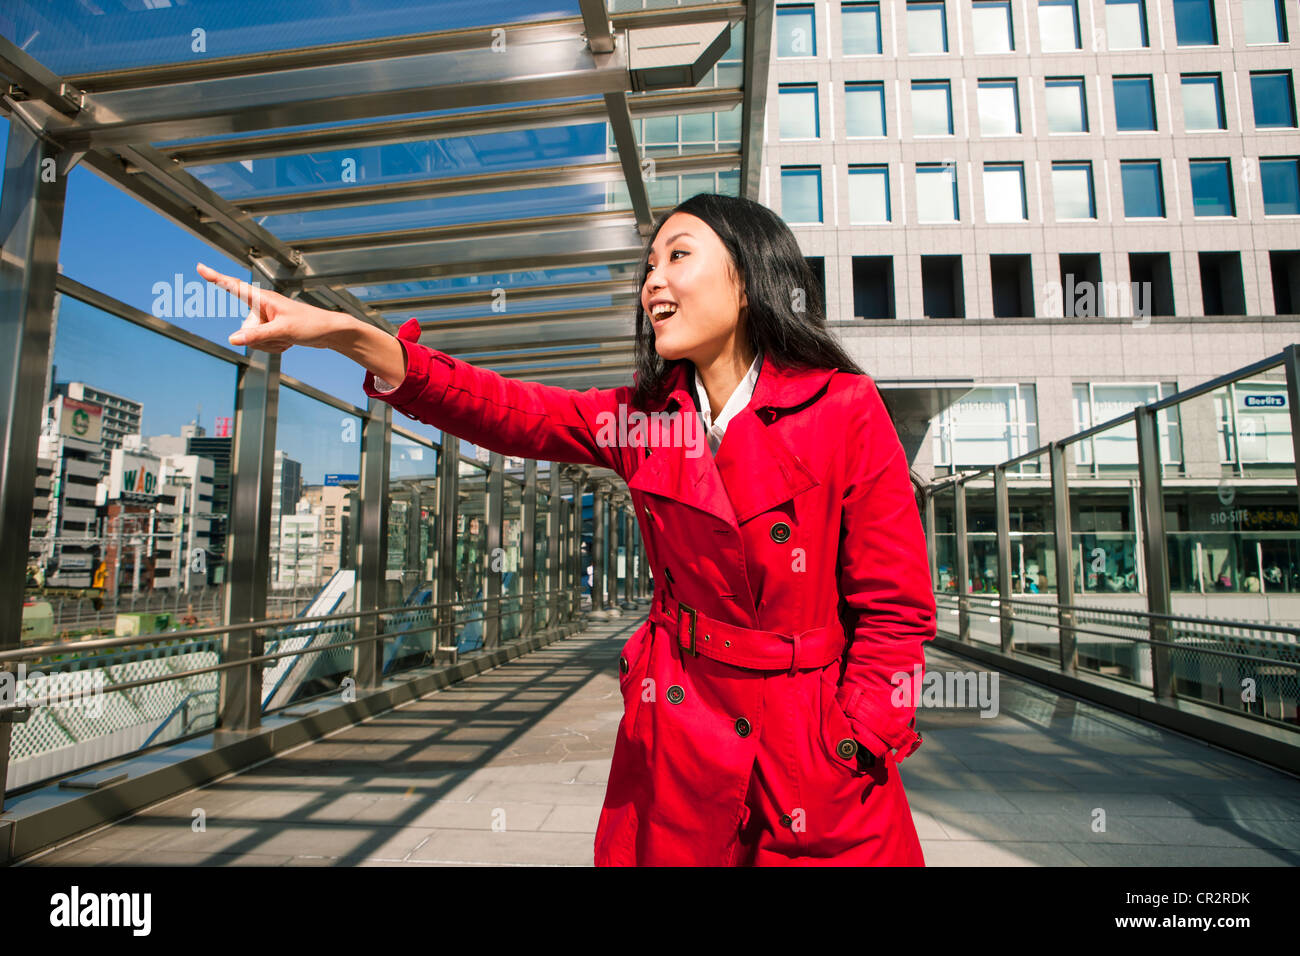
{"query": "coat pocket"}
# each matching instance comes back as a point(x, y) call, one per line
point(836, 732)
point(633, 665)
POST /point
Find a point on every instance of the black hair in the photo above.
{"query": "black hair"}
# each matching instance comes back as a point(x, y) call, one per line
point(785, 318)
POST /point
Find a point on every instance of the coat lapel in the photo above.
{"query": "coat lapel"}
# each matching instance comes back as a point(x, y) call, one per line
point(754, 470)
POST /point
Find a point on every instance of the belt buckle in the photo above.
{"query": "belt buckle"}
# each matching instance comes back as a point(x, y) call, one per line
point(694, 617)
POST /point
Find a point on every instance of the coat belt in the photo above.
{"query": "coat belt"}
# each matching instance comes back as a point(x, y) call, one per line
point(697, 633)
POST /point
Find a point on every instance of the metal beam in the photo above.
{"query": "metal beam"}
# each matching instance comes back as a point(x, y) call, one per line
point(31, 225)
point(1064, 575)
point(372, 541)
point(1155, 555)
point(758, 56)
point(553, 292)
point(620, 124)
point(1002, 510)
point(469, 124)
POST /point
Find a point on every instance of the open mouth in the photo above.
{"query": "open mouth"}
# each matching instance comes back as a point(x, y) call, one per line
point(662, 313)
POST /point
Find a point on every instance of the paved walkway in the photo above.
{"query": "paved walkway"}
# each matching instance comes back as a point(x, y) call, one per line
point(509, 767)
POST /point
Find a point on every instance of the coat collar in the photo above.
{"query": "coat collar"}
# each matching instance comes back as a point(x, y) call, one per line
point(754, 469)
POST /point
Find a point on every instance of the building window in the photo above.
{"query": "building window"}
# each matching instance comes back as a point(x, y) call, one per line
point(1265, 21)
point(801, 194)
point(869, 194)
point(991, 25)
point(931, 108)
point(988, 425)
point(1280, 180)
point(1058, 25)
point(1203, 101)
point(873, 287)
point(1135, 104)
point(1067, 105)
point(927, 28)
point(864, 109)
point(936, 193)
point(796, 31)
point(1072, 191)
point(861, 22)
point(1273, 96)
point(1126, 25)
point(1212, 188)
point(1194, 23)
point(798, 109)
point(1254, 424)
point(1004, 192)
point(1097, 403)
point(1143, 186)
point(999, 108)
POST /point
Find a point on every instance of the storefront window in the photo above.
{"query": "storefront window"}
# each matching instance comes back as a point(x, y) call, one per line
point(989, 425)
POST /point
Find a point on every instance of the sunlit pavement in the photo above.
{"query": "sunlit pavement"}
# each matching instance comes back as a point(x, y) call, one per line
point(509, 767)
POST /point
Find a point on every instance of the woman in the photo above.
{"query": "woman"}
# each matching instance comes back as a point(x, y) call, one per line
point(770, 696)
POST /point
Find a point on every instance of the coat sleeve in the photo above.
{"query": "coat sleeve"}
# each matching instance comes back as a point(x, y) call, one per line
point(520, 419)
point(884, 579)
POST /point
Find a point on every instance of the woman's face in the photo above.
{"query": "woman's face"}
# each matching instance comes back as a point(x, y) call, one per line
point(689, 266)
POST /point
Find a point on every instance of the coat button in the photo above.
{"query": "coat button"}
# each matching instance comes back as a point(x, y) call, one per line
point(786, 819)
point(675, 694)
point(622, 664)
point(780, 532)
point(847, 747)
point(742, 726)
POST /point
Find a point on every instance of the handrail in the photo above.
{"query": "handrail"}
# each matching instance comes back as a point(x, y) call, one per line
point(247, 661)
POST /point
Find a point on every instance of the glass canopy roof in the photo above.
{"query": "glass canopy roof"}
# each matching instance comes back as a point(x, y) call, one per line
point(489, 167)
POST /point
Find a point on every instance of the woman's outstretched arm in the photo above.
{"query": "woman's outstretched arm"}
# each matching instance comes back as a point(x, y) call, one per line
point(521, 419)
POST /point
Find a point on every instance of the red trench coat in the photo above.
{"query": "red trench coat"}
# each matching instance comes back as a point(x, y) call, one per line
point(804, 524)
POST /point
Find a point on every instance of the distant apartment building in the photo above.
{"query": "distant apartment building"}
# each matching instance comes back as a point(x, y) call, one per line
point(121, 416)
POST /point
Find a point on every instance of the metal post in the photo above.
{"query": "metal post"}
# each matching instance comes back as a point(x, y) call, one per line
point(31, 223)
point(963, 563)
point(555, 539)
point(252, 467)
point(598, 551)
point(494, 515)
point(372, 541)
point(1064, 575)
point(527, 560)
point(930, 548)
point(444, 592)
point(1153, 551)
point(1002, 509)
point(1290, 362)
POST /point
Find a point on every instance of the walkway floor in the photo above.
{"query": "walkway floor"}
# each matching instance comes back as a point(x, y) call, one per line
point(510, 766)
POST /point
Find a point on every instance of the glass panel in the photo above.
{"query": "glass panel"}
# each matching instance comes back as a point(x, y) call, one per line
point(1066, 106)
point(1203, 102)
point(1004, 193)
point(72, 37)
point(936, 194)
point(795, 32)
point(1033, 560)
point(413, 523)
point(869, 194)
point(864, 105)
point(931, 108)
point(982, 560)
point(1212, 188)
point(798, 108)
point(945, 552)
point(861, 24)
point(927, 28)
point(1194, 23)
point(317, 467)
point(1144, 194)
point(1058, 25)
point(1105, 554)
point(1280, 181)
point(1135, 106)
point(1273, 96)
point(1265, 21)
point(512, 515)
point(543, 533)
point(801, 194)
point(991, 25)
point(999, 108)
point(1126, 24)
point(1072, 191)
point(471, 557)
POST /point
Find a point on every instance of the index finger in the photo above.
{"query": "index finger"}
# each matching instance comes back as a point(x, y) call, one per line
point(251, 295)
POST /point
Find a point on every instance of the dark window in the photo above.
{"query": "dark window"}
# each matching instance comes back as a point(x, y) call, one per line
point(1222, 290)
point(1152, 278)
point(1135, 104)
point(941, 287)
point(1081, 286)
point(873, 287)
point(1013, 286)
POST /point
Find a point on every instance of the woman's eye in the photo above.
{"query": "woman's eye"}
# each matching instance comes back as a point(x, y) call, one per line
point(650, 267)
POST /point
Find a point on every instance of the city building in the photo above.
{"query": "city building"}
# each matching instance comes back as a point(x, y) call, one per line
point(1030, 217)
point(63, 544)
point(121, 416)
point(334, 504)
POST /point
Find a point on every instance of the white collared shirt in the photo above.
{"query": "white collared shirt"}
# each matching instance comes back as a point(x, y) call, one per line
point(735, 404)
